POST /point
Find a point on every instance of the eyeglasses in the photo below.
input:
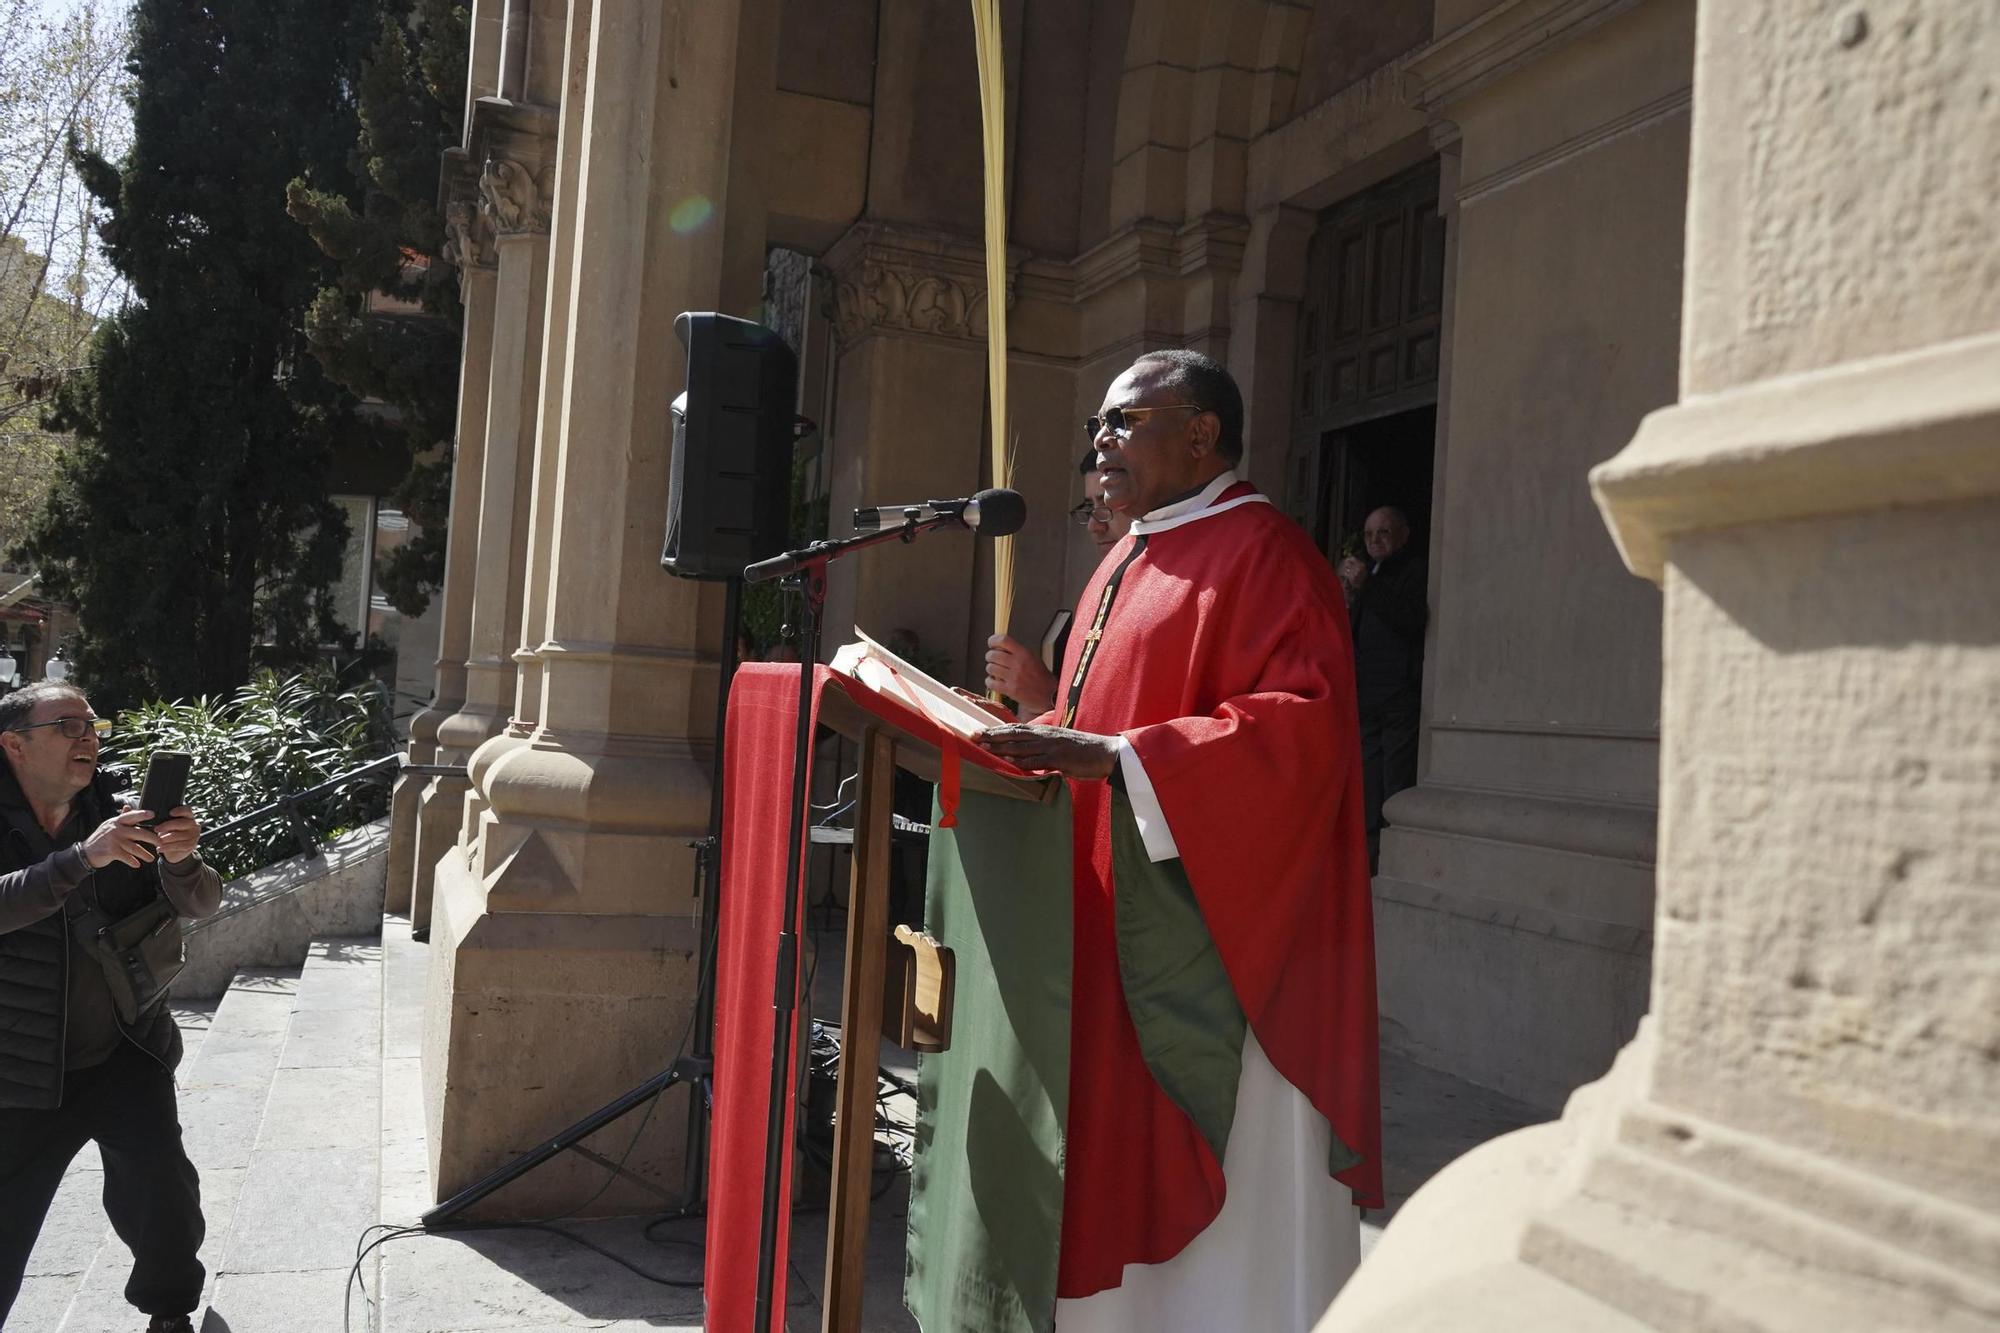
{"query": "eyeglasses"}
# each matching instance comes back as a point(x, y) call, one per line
point(73, 728)
point(1120, 420)
point(1086, 513)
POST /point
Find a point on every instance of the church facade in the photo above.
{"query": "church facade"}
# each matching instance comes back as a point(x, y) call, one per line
point(1443, 247)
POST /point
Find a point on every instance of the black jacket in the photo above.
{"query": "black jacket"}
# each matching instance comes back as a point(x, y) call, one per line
point(1389, 616)
point(40, 884)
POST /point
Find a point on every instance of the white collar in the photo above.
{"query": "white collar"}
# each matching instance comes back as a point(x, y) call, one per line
point(1195, 507)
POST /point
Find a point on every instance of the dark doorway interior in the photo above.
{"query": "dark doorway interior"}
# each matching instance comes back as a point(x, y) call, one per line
point(1386, 461)
point(1370, 342)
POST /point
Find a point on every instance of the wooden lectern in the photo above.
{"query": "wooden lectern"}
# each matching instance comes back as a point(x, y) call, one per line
point(884, 747)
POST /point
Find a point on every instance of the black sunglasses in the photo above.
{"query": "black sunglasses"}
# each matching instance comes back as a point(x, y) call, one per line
point(1120, 420)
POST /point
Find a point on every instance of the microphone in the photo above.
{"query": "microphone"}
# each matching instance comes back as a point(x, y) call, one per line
point(994, 513)
point(991, 513)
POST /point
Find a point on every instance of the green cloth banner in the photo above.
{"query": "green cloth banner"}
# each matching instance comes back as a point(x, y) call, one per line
point(986, 1187)
point(986, 1192)
point(1189, 1023)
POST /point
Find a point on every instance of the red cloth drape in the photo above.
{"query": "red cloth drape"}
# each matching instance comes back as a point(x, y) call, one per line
point(756, 819)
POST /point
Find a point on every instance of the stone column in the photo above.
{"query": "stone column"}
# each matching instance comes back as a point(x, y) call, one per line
point(434, 828)
point(563, 963)
point(516, 141)
point(555, 364)
point(557, 76)
point(910, 316)
point(1806, 1133)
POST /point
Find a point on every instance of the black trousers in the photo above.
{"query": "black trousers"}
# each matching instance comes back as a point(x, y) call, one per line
point(151, 1192)
point(1388, 764)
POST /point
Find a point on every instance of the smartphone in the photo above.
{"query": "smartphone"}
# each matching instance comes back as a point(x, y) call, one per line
point(165, 786)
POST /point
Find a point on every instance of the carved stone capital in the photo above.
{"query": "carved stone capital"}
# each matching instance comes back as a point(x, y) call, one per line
point(468, 237)
point(514, 147)
point(513, 199)
point(905, 280)
point(468, 241)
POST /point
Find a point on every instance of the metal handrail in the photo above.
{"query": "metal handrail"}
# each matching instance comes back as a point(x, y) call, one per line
point(288, 805)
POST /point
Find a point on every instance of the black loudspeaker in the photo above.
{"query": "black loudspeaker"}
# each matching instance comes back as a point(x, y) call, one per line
point(729, 488)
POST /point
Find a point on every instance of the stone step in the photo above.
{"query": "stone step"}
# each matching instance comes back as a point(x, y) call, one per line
point(310, 1181)
point(1680, 1248)
point(77, 1274)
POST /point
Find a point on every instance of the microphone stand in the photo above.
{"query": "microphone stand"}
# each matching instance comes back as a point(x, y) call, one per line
point(805, 569)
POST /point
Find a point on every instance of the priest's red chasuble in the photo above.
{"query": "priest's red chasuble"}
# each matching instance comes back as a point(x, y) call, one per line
point(1225, 663)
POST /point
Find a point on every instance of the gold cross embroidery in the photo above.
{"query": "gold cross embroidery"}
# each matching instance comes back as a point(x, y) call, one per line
point(1096, 634)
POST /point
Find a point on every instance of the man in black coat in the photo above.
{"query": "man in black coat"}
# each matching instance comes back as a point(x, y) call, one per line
point(1388, 606)
point(71, 1069)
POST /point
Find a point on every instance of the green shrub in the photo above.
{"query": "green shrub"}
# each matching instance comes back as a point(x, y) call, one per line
point(276, 736)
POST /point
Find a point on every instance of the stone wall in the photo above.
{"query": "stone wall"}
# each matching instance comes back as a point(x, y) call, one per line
point(270, 917)
point(1804, 1136)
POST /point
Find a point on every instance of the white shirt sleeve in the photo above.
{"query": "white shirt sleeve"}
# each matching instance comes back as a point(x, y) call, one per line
point(1152, 820)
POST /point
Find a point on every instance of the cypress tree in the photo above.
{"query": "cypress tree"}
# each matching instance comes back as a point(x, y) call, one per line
point(191, 525)
point(389, 327)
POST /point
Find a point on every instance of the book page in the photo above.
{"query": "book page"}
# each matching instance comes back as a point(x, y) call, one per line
point(889, 675)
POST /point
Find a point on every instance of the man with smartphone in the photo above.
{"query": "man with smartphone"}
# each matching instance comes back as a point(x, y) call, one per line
point(72, 1067)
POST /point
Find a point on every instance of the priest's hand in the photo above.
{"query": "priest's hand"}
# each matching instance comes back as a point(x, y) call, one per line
point(1014, 671)
point(985, 704)
point(1074, 754)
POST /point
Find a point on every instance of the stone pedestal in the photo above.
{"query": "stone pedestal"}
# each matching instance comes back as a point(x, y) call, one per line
point(1806, 1133)
point(567, 939)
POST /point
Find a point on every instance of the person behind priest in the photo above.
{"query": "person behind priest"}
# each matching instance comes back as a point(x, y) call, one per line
point(1014, 669)
point(1214, 710)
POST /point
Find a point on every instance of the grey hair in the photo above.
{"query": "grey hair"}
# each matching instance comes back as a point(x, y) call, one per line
point(18, 706)
point(1207, 383)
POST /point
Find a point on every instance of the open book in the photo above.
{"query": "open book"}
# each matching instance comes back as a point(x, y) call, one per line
point(887, 674)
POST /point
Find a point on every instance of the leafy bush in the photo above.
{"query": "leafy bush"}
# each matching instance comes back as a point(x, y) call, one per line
point(276, 736)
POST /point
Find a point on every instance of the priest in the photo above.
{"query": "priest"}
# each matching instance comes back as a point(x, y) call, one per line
point(1223, 1115)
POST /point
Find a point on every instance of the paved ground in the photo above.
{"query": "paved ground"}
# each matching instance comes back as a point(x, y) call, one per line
point(1429, 1119)
point(532, 1283)
point(625, 1274)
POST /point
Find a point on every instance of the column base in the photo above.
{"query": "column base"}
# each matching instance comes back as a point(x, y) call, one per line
point(1451, 1259)
point(480, 769)
point(571, 830)
point(439, 811)
point(1627, 1215)
point(1513, 935)
point(532, 1021)
point(404, 803)
point(461, 734)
